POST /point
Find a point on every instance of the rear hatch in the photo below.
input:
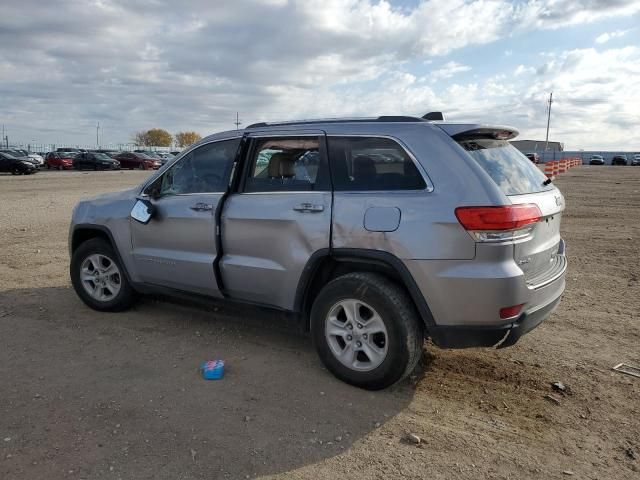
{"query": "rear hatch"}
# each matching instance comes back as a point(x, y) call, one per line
point(540, 255)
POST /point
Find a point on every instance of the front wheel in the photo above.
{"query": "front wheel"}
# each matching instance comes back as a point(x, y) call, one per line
point(366, 330)
point(98, 277)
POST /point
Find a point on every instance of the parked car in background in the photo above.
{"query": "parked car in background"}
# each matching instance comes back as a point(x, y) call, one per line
point(68, 149)
point(111, 153)
point(133, 160)
point(596, 160)
point(534, 157)
point(636, 159)
point(153, 154)
point(95, 161)
point(619, 160)
point(374, 242)
point(16, 165)
point(60, 160)
point(34, 158)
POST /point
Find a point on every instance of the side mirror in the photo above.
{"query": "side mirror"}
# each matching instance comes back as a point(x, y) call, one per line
point(143, 211)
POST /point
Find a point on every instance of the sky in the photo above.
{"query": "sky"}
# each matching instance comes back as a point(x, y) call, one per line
point(133, 65)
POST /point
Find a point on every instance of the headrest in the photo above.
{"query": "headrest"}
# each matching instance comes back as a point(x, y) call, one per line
point(281, 165)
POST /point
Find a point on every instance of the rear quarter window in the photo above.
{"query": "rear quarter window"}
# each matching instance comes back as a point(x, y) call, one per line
point(508, 167)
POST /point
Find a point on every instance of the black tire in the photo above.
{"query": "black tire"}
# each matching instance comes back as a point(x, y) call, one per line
point(125, 297)
point(395, 307)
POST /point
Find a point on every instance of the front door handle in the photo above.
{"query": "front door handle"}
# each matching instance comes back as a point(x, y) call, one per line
point(309, 208)
point(202, 207)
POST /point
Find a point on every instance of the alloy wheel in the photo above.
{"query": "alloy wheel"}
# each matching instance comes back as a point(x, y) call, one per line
point(356, 335)
point(100, 277)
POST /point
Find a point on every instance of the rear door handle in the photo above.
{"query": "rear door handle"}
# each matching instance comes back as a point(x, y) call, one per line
point(309, 208)
point(202, 207)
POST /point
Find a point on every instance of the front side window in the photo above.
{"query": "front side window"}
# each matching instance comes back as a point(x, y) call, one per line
point(206, 169)
point(371, 163)
point(285, 164)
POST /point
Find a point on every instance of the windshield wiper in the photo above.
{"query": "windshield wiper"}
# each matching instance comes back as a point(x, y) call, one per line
point(546, 182)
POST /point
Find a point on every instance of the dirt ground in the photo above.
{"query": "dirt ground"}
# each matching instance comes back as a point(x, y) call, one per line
point(94, 395)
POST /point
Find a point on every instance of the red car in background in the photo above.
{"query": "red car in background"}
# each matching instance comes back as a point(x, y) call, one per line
point(60, 160)
point(133, 160)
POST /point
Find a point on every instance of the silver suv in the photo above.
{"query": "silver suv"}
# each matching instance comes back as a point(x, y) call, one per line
point(378, 232)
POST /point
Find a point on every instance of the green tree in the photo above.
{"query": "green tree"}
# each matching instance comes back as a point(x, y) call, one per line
point(184, 139)
point(156, 137)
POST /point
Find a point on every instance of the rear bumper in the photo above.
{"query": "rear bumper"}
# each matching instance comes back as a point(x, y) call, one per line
point(492, 336)
point(465, 298)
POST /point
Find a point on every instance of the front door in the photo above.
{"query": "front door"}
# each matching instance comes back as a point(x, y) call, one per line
point(177, 248)
point(279, 217)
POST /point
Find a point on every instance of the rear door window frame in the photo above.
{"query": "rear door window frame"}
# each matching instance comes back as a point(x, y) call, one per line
point(421, 170)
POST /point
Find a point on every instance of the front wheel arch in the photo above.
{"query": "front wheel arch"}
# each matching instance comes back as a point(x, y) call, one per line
point(85, 232)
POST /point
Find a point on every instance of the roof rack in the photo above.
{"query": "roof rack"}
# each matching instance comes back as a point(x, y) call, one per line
point(384, 118)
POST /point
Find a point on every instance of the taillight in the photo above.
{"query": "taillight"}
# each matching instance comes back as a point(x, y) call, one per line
point(496, 224)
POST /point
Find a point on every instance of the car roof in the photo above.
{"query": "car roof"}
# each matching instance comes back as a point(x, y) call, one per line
point(361, 125)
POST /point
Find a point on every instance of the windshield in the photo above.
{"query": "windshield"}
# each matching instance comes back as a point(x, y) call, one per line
point(101, 156)
point(511, 170)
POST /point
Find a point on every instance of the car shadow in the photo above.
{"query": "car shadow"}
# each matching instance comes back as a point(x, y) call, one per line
point(94, 393)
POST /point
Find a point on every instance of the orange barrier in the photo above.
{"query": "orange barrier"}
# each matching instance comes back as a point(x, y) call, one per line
point(563, 166)
point(548, 169)
point(553, 168)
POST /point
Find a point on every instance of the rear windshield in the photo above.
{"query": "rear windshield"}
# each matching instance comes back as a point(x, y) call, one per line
point(508, 167)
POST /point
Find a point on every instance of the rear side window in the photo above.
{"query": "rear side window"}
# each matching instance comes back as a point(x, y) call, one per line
point(371, 163)
point(508, 167)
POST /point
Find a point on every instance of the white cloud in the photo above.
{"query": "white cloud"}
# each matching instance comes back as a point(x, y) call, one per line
point(194, 64)
point(605, 37)
point(522, 70)
point(448, 70)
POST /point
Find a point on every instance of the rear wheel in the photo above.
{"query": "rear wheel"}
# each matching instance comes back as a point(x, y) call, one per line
point(366, 330)
point(98, 277)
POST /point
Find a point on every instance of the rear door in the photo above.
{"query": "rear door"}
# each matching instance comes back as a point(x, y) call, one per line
point(278, 218)
point(177, 248)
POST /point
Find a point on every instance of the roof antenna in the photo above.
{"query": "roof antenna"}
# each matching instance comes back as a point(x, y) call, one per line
point(433, 116)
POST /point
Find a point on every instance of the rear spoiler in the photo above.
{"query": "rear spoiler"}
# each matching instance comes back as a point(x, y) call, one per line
point(462, 131)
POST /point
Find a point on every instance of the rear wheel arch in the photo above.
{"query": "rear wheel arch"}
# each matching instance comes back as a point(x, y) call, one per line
point(326, 265)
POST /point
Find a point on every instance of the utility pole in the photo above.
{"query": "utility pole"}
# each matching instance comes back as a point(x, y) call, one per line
point(97, 133)
point(546, 142)
point(237, 123)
